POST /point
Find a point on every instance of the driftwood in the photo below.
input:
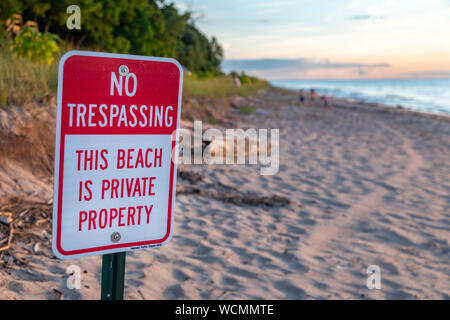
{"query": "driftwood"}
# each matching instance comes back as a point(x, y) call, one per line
point(192, 183)
point(28, 221)
point(6, 219)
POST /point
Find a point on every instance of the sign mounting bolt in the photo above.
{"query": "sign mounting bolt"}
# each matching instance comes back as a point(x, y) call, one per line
point(123, 70)
point(115, 237)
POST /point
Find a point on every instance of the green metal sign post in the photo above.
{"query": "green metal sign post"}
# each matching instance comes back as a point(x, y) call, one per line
point(113, 276)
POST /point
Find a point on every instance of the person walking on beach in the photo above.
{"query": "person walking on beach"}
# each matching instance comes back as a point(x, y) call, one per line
point(325, 100)
point(301, 97)
point(236, 81)
point(312, 95)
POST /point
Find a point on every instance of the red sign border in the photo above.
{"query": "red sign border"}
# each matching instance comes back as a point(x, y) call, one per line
point(59, 166)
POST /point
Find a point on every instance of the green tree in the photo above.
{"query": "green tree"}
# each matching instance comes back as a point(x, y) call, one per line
point(8, 8)
point(147, 27)
point(198, 53)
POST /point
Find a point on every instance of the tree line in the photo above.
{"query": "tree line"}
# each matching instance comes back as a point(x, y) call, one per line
point(146, 27)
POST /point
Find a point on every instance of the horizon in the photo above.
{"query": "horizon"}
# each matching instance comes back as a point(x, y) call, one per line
point(360, 79)
point(343, 39)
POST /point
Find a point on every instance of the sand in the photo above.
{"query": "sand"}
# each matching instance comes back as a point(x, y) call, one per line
point(366, 184)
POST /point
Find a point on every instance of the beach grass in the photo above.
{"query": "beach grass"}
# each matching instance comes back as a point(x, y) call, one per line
point(212, 120)
point(246, 110)
point(219, 87)
point(23, 81)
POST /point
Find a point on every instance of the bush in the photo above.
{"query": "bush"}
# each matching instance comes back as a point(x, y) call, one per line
point(245, 79)
point(34, 45)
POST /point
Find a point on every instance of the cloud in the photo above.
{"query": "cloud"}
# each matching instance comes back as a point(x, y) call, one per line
point(366, 17)
point(360, 17)
point(360, 72)
point(301, 63)
point(299, 68)
point(181, 6)
point(430, 74)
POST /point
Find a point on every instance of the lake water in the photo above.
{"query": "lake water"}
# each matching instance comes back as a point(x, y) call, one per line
point(426, 95)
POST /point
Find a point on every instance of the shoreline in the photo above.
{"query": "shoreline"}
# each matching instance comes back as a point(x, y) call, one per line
point(369, 103)
point(390, 108)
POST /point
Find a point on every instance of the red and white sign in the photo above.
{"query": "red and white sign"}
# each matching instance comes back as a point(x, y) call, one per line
point(115, 154)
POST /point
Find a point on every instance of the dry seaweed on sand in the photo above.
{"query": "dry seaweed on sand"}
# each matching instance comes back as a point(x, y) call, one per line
point(225, 193)
point(24, 224)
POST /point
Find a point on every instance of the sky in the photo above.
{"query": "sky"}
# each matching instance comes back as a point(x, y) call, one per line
point(335, 39)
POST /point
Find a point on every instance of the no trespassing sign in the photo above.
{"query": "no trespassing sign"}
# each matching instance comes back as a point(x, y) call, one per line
point(115, 154)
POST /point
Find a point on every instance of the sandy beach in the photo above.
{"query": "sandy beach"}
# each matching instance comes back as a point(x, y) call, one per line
point(358, 185)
